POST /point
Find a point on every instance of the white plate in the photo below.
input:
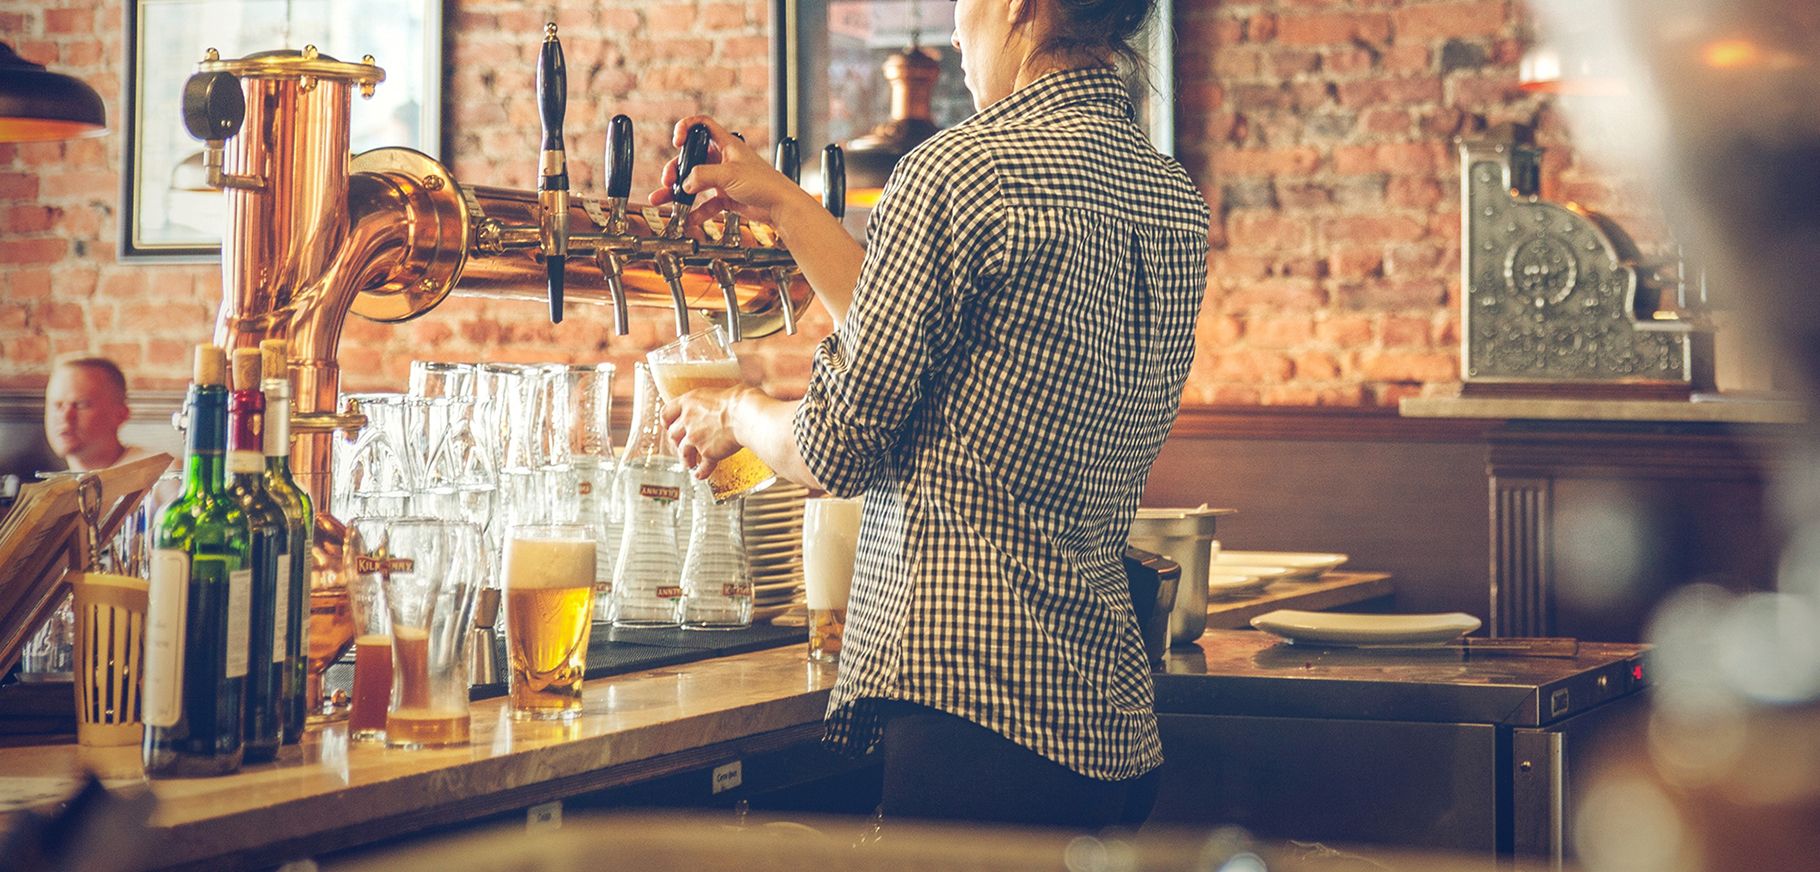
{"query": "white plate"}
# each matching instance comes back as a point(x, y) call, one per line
point(1267, 573)
point(1339, 628)
point(1223, 585)
point(1299, 563)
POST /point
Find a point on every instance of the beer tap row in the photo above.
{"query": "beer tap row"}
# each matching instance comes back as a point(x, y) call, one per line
point(670, 250)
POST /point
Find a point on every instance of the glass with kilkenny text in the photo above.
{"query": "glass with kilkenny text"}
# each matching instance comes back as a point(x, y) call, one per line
point(430, 571)
point(705, 360)
point(371, 696)
point(648, 572)
point(716, 579)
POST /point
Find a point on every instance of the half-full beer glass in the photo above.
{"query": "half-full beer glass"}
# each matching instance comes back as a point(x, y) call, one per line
point(705, 360)
point(549, 585)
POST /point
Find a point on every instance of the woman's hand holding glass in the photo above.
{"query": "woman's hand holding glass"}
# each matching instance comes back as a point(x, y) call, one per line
point(700, 423)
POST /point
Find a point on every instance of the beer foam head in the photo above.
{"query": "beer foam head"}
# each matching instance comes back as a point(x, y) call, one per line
point(535, 563)
point(675, 378)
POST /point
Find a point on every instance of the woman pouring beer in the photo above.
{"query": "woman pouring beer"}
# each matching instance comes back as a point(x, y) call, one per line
point(1009, 354)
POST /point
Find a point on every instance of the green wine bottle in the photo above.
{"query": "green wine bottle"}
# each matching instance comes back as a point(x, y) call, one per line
point(298, 522)
point(201, 593)
point(270, 546)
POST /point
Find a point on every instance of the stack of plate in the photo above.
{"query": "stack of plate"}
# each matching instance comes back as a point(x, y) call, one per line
point(774, 548)
point(1293, 565)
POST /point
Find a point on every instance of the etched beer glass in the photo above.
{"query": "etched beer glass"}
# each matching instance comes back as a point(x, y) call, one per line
point(830, 540)
point(549, 586)
point(706, 360)
point(431, 571)
point(372, 693)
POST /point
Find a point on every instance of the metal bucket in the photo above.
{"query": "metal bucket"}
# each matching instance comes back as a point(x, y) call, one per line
point(1186, 537)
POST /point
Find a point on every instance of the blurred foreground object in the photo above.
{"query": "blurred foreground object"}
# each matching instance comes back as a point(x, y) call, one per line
point(1725, 115)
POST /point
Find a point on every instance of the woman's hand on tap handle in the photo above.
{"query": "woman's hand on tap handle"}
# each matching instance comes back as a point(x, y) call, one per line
point(735, 179)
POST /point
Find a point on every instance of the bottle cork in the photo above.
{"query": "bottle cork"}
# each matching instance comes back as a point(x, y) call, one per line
point(246, 369)
point(210, 367)
point(273, 360)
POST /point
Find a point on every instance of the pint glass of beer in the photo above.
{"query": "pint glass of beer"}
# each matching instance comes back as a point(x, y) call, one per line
point(830, 540)
point(705, 360)
point(431, 571)
point(549, 585)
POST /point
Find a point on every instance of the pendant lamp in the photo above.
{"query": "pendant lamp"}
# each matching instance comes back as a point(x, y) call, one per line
point(38, 105)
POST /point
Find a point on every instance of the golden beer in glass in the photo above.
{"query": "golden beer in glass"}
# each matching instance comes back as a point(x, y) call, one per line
point(705, 360)
point(549, 588)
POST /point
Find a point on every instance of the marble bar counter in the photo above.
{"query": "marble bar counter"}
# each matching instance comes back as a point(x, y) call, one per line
point(329, 795)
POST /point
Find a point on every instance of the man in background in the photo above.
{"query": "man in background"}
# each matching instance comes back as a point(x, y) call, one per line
point(84, 408)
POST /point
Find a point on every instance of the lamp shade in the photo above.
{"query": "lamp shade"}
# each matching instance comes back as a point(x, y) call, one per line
point(37, 104)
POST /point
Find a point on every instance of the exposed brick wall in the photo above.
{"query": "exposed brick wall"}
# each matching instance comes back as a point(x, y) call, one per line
point(1318, 130)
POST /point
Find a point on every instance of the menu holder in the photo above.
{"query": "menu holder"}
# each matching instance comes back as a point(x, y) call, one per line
point(48, 535)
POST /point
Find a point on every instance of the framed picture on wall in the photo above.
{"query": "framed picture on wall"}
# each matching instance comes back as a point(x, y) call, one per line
point(830, 85)
point(167, 212)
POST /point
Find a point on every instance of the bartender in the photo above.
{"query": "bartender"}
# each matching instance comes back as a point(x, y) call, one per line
point(1009, 354)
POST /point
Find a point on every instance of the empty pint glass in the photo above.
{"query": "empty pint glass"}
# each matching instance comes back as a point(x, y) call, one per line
point(830, 540)
point(549, 585)
point(431, 571)
point(705, 360)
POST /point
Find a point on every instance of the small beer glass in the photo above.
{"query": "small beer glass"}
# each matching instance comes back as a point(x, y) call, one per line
point(705, 360)
point(549, 586)
point(830, 540)
point(372, 694)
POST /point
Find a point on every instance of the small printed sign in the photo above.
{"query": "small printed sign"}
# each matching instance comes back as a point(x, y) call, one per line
point(728, 776)
point(547, 816)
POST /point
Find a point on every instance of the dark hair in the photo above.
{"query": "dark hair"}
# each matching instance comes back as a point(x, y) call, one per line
point(109, 370)
point(1101, 27)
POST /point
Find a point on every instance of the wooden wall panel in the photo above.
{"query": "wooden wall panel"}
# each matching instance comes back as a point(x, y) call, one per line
point(1414, 509)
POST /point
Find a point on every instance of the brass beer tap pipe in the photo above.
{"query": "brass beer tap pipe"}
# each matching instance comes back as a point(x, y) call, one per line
point(312, 236)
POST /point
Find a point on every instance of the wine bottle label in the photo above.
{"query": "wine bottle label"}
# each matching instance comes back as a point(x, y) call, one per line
point(240, 612)
point(277, 418)
point(166, 616)
point(281, 609)
point(245, 462)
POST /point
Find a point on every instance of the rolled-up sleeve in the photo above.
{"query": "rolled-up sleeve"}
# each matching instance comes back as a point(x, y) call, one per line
point(928, 245)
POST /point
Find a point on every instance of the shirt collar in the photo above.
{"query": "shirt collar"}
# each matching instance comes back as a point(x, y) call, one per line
point(1060, 90)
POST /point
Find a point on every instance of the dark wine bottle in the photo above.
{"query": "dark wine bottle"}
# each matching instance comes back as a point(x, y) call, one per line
point(270, 552)
point(201, 593)
point(298, 520)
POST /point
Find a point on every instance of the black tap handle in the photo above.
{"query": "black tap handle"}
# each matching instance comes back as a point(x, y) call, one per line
point(552, 103)
point(789, 159)
point(213, 106)
point(694, 153)
point(552, 164)
point(834, 180)
point(619, 157)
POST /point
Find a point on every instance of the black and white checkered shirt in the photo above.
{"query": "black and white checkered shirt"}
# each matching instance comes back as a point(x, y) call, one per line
point(1013, 358)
